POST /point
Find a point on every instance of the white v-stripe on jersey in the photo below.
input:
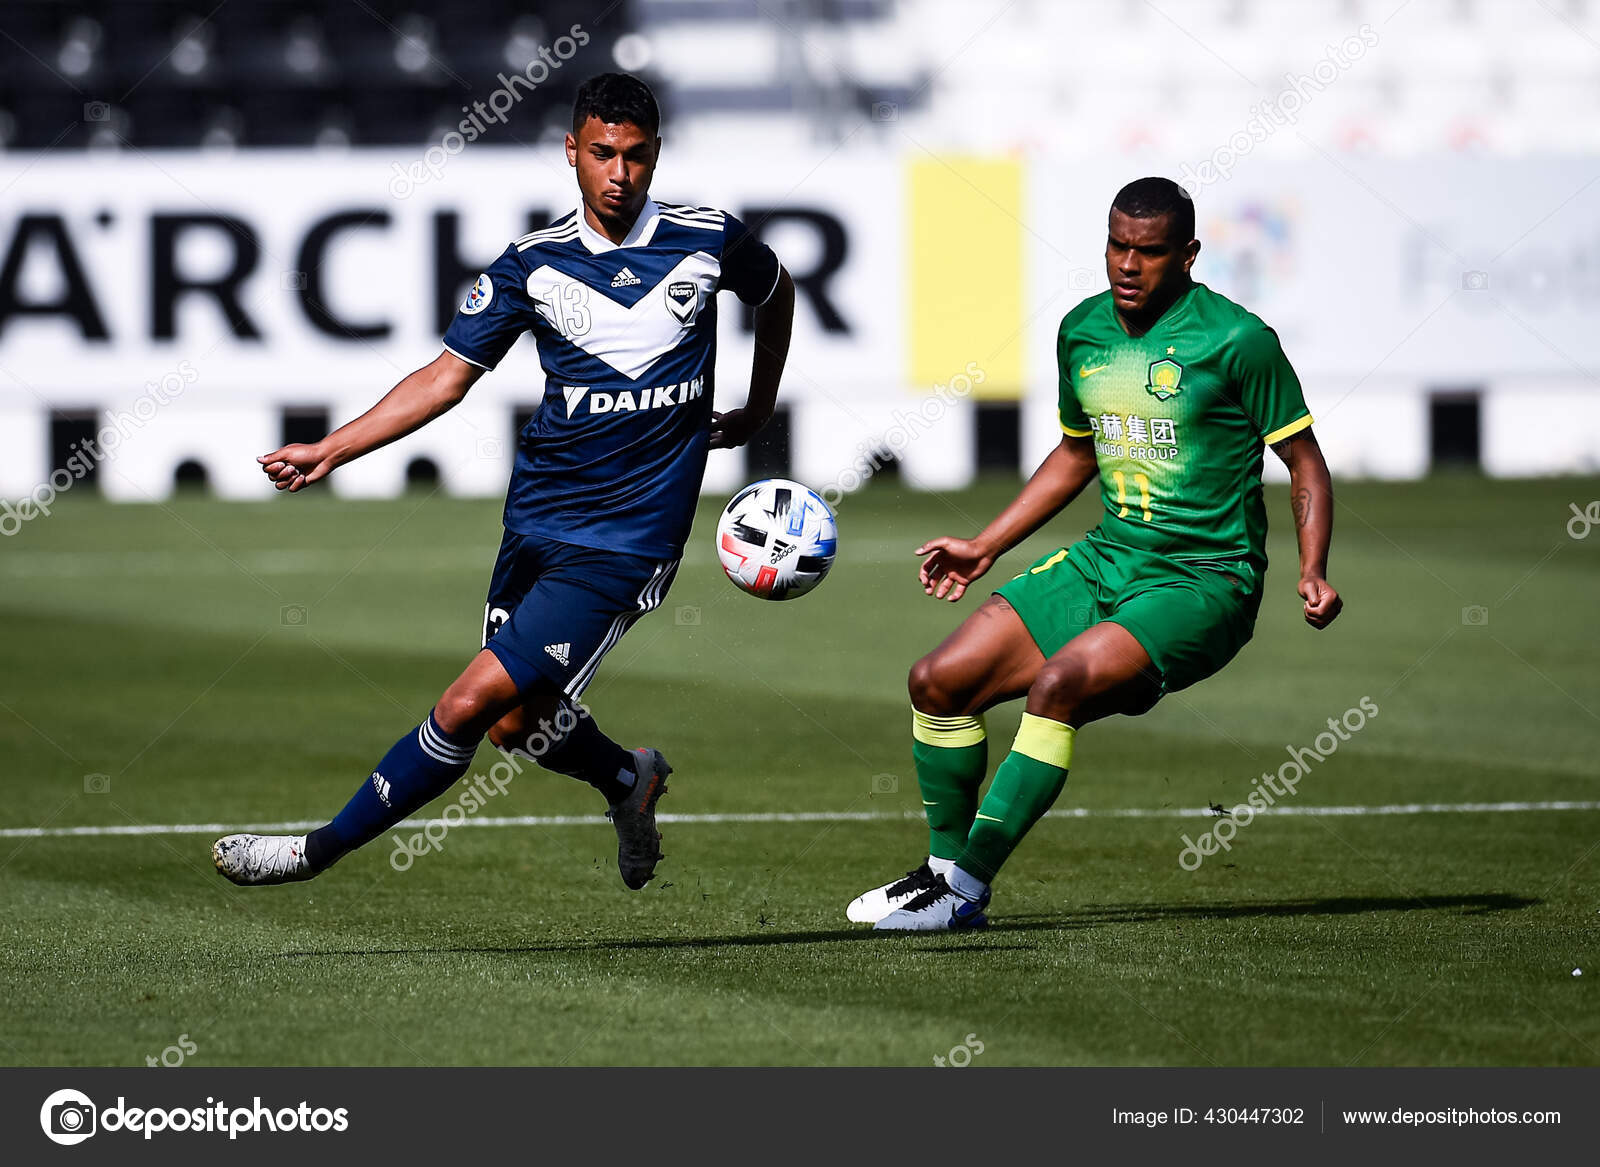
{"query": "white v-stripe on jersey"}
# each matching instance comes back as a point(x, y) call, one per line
point(626, 334)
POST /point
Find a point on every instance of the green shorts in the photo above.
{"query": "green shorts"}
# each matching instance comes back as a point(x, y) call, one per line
point(1192, 620)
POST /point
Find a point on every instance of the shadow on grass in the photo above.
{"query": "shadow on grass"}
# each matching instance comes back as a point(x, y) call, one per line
point(1469, 904)
point(1089, 916)
point(747, 940)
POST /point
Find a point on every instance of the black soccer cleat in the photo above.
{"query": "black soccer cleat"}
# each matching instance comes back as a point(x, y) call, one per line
point(638, 841)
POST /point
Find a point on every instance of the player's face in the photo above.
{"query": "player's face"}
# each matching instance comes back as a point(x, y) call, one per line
point(1144, 263)
point(615, 162)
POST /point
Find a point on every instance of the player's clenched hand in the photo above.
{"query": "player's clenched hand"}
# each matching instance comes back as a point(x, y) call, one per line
point(951, 565)
point(295, 467)
point(1323, 604)
point(734, 428)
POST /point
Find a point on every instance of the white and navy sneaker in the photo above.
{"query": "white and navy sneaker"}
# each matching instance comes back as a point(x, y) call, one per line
point(262, 859)
point(937, 909)
point(638, 841)
point(871, 906)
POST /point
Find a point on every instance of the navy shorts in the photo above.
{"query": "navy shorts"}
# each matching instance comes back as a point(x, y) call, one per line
point(555, 609)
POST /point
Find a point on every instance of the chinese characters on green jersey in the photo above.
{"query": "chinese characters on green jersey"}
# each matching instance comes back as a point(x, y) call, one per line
point(1179, 418)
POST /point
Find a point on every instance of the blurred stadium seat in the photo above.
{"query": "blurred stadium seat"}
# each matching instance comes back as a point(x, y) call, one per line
point(1480, 74)
point(269, 72)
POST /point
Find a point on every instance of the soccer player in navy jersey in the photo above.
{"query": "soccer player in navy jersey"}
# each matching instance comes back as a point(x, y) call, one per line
point(620, 296)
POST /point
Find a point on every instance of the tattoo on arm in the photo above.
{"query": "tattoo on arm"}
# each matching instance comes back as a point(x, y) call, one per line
point(1301, 502)
point(1282, 448)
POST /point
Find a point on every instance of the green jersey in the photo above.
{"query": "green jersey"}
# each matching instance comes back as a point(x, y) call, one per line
point(1179, 418)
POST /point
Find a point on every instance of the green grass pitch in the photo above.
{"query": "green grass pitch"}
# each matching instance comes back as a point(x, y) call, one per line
point(241, 664)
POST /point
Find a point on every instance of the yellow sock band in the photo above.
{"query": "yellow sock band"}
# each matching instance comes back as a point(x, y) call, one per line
point(946, 732)
point(1045, 741)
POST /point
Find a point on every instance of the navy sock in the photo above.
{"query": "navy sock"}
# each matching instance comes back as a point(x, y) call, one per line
point(577, 748)
point(417, 769)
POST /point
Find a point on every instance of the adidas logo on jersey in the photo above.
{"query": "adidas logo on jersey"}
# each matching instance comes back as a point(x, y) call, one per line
point(562, 652)
point(625, 279)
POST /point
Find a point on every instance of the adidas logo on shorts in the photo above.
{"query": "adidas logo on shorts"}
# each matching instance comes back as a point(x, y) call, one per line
point(562, 652)
point(625, 279)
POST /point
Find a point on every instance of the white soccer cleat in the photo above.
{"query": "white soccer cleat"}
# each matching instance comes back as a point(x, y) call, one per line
point(871, 906)
point(262, 859)
point(937, 910)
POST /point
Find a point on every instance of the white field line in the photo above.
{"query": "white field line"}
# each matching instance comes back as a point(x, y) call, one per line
point(568, 820)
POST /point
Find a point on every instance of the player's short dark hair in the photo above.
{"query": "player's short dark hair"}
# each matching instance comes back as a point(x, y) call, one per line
point(1150, 198)
point(617, 97)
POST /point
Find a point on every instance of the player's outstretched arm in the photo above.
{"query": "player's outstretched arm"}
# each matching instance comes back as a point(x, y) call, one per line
point(409, 406)
point(774, 323)
point(1311, 496)
point(952, 564)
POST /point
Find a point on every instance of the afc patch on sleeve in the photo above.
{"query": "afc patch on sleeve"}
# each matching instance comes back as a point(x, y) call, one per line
point(479, 297)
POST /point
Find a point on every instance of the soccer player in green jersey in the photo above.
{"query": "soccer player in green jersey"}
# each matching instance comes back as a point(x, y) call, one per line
point(1168, 393)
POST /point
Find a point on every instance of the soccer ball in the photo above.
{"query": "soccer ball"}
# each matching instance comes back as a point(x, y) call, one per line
point(776, 539)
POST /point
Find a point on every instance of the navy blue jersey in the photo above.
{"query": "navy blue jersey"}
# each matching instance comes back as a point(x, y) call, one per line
point(627, 337)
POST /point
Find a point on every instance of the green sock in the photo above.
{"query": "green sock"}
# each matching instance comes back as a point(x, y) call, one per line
point(1028, 781)
point(952, 756)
